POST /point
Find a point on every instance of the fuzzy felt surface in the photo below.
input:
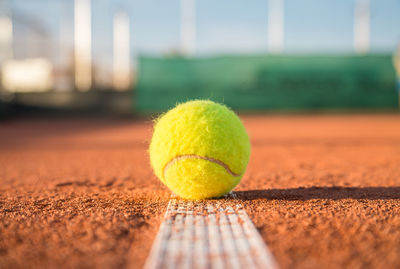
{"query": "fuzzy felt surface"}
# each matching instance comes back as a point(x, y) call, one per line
point(205, 129)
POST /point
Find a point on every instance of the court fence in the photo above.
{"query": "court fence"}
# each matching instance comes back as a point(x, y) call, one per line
point(268, 82)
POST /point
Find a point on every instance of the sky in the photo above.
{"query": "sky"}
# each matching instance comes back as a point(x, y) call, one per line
point(222, 26)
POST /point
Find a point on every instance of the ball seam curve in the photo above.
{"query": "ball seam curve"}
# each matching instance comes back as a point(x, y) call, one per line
point(194, 156)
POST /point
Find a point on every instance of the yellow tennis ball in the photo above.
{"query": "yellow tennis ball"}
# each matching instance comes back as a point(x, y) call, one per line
point(199, 149)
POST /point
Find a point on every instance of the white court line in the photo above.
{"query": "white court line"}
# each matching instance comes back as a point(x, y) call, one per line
point(161, 242)
point(228, 243)
point(257, 245)
point(214, 240)
point(173, 251)
point(241, 240)
point(208, 235)
point(188, 237)
point(201, 247)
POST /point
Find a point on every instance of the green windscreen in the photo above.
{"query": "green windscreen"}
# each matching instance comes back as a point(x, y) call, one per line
point(268, 82)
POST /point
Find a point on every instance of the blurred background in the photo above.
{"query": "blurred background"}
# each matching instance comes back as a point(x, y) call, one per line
point(103, 57)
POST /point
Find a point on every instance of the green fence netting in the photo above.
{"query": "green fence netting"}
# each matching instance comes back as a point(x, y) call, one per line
point(268, 82)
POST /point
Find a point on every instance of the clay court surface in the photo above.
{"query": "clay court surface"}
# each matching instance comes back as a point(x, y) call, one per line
point(323, 191)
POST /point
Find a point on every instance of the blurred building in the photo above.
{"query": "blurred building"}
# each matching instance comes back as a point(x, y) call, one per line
point(83, 45)
point(121, 52)
point(26, 52)
point(28, 75)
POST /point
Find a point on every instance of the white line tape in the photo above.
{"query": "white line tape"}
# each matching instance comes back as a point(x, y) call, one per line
point(257, 246)
point(174, 245)
point(214, 240)
point(161, 242)
point(228, 243)
point(241, 240)
point(194, 235)
point(201, 247)
point(188, 238)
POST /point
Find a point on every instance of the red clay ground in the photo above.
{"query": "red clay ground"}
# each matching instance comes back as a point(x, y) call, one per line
point(324, 191)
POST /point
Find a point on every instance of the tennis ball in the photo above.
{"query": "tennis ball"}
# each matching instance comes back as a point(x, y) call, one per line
point(199, 149)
